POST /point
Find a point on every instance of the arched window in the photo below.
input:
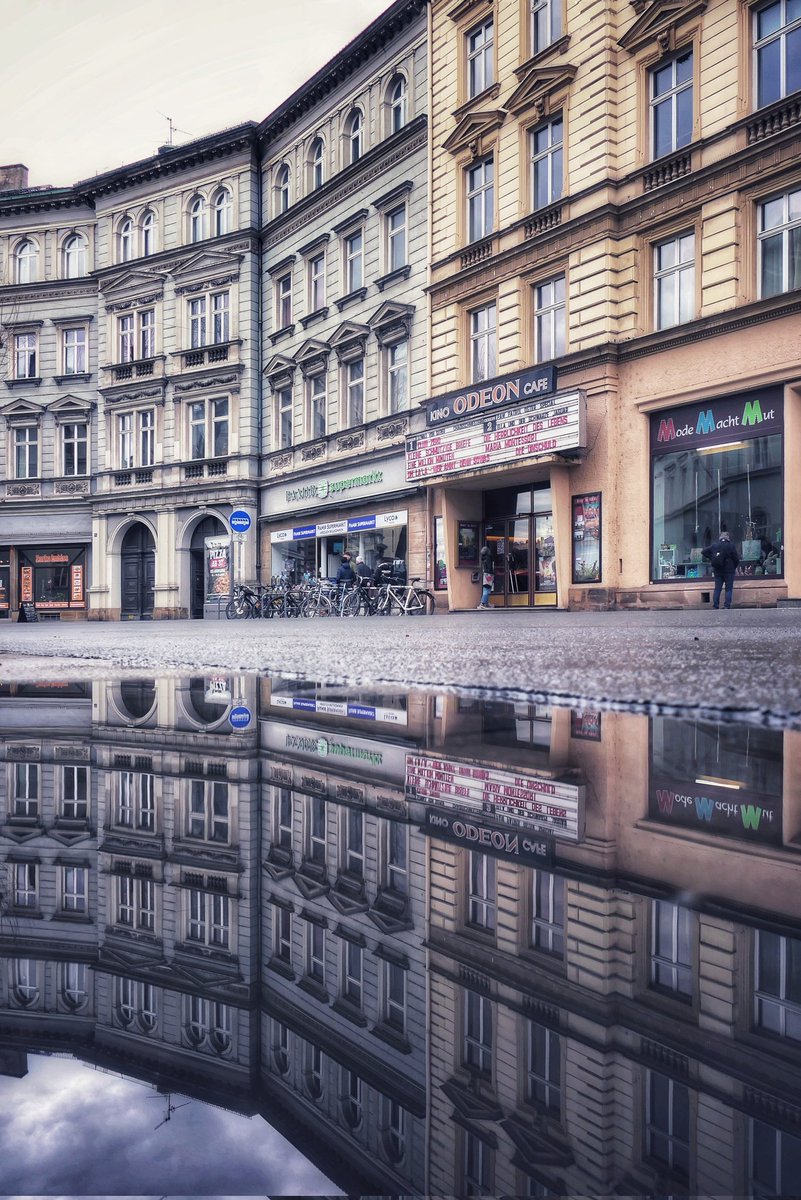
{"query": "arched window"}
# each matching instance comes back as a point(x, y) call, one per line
point(147, 1016)
point(317, 163)
point(27, 258)
point(74, 257)
point(24, 985)
point(223, 210)
point(354, 135)
point(126, 240)
point(148, 232)
point(393, 1129)
point(220, 1036)
point(125, 1001)
point(197, 210)
point(397, 97)
point(197, 1020)
point(72, 985)
point(313, 1071)
point(282, 189)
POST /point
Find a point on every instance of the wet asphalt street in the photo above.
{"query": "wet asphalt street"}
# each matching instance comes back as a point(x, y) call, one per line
point(746, 661)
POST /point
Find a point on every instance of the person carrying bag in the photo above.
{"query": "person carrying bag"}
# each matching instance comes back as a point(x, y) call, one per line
point(487, 576)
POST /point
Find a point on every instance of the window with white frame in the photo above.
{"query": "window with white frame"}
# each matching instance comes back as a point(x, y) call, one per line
point(27, 262)
point(23, 885)
point(24, 981)
point(283, 301)
point(779, 244)
point(283, 417)
point(774, 1161)
point(74, 890)
point(548, 912)
point(481, 891)
point(208, 1024)
point(317, 401)
point(777, 985)
point(353, 261)
point(777, 50)
point(395, 875)
point(283, 185)
point(671, 86)
point(316, 822)
point(667, 1129)
point(396, 238)
point(480, 185)
point(354, 136)
point(73, 987)
point(480, 64)
point(26, 451)
point(74, 448)
point(350, 1098)
point(209, 313)
point(74, 257)
point(147, 333)
point(25, 347)
point(74, 351)
point(135, 1003)
point(197, 219)
point(208, 428)
point(396, 359)
point(208, 817)
point(398, 101)
point(477, 1042)
point(136, 902)
point(282, 819)
point(483, 343)
point(126, 338)
point(353, 859)
point(74, 793)
point(352, 973)
point(550, 319)
point(125, 240)
point(674, 281)
point(544, 1085)
point(354, 392)
point(476, 1166)
point(280, 1046)
point(135, 801)
point(317, 164)
point(282, 934)
point(672, 948)
point(546, 23)
point(393, 1129)
point(26, 790)
point(223, 212)
point(136, 439)
point(547, 162)
point(209, 919)
point(313, 1071)
point(315, 273)
point(394, 997)
point(148, 231)
point(315, 952)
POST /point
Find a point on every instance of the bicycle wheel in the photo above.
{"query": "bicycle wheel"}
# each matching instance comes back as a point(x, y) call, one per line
point(419, 604)
point(318, 606)
point(353, 603)
point(237, 609)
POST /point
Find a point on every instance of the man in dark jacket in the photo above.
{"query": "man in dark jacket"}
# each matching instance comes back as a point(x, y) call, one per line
point(724, 559)
point(346, 574)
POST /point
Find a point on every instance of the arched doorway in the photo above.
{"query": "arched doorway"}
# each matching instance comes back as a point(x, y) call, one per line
point(209, 527)
point(138, 558)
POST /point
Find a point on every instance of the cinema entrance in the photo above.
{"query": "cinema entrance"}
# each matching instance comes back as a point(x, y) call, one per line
point(522, 545)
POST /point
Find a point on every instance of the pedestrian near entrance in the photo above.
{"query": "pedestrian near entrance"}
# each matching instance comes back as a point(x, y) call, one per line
point(487, 575)
point(724, 559)
point(346, 574)
point(362, 569)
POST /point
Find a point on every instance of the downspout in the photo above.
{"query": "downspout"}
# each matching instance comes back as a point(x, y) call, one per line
point(259, 357)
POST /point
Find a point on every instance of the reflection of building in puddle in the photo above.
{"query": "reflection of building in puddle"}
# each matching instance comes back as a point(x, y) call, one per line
point(444, 945)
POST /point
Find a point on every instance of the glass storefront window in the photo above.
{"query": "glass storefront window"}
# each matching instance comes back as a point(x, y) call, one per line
point(440, 565)
point(699, 492)
point(294, 561)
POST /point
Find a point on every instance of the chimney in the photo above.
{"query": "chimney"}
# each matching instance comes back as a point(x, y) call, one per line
point(13, 178)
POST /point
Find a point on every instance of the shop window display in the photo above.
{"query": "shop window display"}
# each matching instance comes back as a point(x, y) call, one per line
point(304, 559)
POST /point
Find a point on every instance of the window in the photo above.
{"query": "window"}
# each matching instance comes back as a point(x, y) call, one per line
point(476, 1166)
point(548, 913)
point(316, 279)
point(774, 1161)
point(135, 1002)
point(197, 212)
point(74, 793)
point(397, 364)
point(353, 248)
point(546, 163)
point(208, 811)
point(483, 340)
point(480, 199)
point(23, 885)
point(24, 981)
point(26, 452)
point(480, 49)
point(477, 1047)
point(350, 1097)
point(354, 392)
point(74, 889)
point(674, 281)
point(280, 1047)
point(481, 894)
point(144, 425)
point(667, 1132)
point(74, 443)
point(126, 240)
point(213, 309)
point(74, 351)
point(544, 1068)
point(671, 948)
point(223, 212)
point(208, 1023)
point(125, 330)
point(283, 416)
point(393, 1129)
point(148, 233)
point(395, 997)
point(398, 104)
point(354, 134)
point(353, 861)
point(136, 902)
point(396, 238)
point(208, 428)
point(147, 437)
point(672, 105)
point(777, 991)
point(315, 952)
point(72, 984)
point(396, 870)
point(313, 1071)
point(74, 257)
point(147, 333)
point(777, 50)
point(546, 23)
point(283, 301)
point(282, 189)
point(317, 163)
point(25, 356)
point(209, 919)
point(27, 260)
point(550, 319)
point(352, 967)
point(282, 934)
point(282, 828)
point(779, 241)
point(316, 825)
point(316, 395)
point(135, 806)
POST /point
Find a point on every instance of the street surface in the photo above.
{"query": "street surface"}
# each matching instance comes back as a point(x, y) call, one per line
point(745, 662)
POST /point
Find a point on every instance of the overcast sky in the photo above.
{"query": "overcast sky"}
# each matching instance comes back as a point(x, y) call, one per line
point(82, 82)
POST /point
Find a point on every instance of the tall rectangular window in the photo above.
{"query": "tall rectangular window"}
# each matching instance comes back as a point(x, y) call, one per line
point(208, 817)
point(209, 919)
point(354, 842)
point(777, 993)
point(672, 104)
point(136, 903)
point(26, 790)
point(283, 417)
point(477, 1045)
point(396, 874)
point(354, 386)
point(548, 913)
point(125, 442)
point(23, 885)
point(354, 261)
point(480, 181)
point(547, 162)
point(25, 356)
point(674, 281)
point(777, 50)
point(396, 238)
point(476, 1166)
point(283, 301)
point(550, 319)
point(147, 437)
point(208, 427)
point(220, 318)
point(317, 400)
point(74, 793)
point(480, 66)
point(147, 333)
point(74, 889)
point(282, 830)
point(481, 894)
point(74, 351)
point(316, 281)
point(544, 1068)
point(779, 244)
point(483, 343)
point(671, 948)
point(395, 997)
point(774, 1161)
point(135, 801)
point(315, 952)
point(283, 934)
point(125, 339)
point(667, 1131)
point(352, 968)
point(74, 441)
point(197, 323)
point(26, 452)
point(316, 827)
point(546, 23)
point(397, 360)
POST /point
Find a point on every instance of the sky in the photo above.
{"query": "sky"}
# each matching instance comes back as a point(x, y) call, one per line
point(83, 82)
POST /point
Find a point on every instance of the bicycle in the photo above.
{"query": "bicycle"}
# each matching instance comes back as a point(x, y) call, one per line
point(245, 603)
point(404, 598)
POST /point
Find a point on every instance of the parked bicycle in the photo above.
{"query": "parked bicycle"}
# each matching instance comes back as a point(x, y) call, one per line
point(327, 599)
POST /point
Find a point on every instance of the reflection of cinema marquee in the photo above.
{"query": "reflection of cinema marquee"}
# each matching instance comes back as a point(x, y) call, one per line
point(509, 797)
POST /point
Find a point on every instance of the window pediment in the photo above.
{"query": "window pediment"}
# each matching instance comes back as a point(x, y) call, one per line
point(538, 1144)
point(131, 282)
point(348, 340)
point(537, 85)
point(392, 322)
point(22, 411)
point(312, 357)
point(658, 23)
point(279, 371)
point(472, 129)
point(470, 1104)
point(467, 8)
point(68, 405)
point(208, 266)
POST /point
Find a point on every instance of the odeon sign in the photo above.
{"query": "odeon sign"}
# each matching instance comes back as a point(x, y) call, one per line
point(493, 393)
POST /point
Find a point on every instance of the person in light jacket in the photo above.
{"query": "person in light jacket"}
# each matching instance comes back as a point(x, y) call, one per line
point(487, 575)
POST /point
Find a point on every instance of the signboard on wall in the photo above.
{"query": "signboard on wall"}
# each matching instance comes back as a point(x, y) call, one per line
point(491, 393)
point(717, 422)
point(300, 533)
point(724, 812)
point(499, 841)
point(536, 427)
point(218, 566)
point(349, 485)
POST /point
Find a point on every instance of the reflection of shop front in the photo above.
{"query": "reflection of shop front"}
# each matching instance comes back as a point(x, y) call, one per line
point(5, 582)
point(52, 578)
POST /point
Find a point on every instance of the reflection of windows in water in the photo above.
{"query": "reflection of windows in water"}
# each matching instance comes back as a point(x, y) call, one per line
point(510, 724)
point(205, 710)
point(774, 1161)
point(750, 756)
point(138, 697)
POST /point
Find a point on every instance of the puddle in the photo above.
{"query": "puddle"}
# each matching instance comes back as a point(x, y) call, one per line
point(279, 937)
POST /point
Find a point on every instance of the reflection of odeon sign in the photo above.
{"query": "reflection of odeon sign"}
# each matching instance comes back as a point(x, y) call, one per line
point(513, 844)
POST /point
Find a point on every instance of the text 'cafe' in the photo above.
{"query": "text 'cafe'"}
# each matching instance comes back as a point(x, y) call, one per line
point(504, 464)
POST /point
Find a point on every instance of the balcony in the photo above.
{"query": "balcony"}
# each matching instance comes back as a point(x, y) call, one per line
point(214, 468)
point(215, 355)
point(140, 368)
point(667, 170)
point(129, 478)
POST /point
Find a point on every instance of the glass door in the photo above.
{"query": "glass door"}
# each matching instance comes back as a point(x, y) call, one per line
point(517, 562)
point(495, 537)
point(544, 560)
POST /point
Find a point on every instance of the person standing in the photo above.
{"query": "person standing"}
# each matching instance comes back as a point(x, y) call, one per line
point(725, 560)
point(363, 571)
point(487, 575)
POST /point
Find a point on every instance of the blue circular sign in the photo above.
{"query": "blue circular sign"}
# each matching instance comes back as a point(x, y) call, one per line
point(240, 716)
point(240, 521)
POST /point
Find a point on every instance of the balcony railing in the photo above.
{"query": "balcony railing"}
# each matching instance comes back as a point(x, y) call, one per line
point(206, 470)
point(209, 356)
point(133, 370)
point(667, 171)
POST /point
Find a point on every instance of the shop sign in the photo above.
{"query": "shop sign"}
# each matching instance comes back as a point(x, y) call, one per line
point(345, 484)
point(505, 797)
point(499, 842)
point(4, 586)
point(217, 689)
point(218, 567)
point(76, 583)
point(492, 393)
point(735, 813)
point(336, 708)
point(537, 427)
point(26, 584)
point(302, 533)
point(339, 751)
point(717, 422)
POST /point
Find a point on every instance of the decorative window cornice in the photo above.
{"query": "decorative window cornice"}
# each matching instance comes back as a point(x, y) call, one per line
point(392, 322)
point(472, 129)
point(537, 85)
point(348, 341)
point(658, 23)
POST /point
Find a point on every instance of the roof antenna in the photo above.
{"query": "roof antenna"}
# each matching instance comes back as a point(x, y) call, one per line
point(173, 129)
